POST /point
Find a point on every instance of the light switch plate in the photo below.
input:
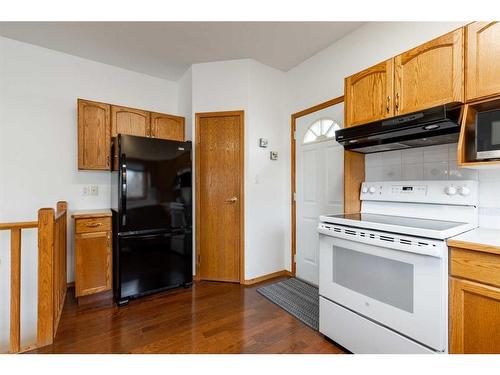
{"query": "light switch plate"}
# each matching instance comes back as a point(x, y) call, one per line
point(91, 190)
point(263, 142)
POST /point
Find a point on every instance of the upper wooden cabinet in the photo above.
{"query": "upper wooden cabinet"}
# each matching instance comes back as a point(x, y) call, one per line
point(167, 126)
point(93, 135)
point(368, 94)
point(99, 122)
point(482, 60)
point(129, 121)
point(430, 75)
point(424, 77)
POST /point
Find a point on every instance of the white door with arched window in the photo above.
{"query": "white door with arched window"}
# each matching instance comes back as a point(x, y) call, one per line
point(319, 183)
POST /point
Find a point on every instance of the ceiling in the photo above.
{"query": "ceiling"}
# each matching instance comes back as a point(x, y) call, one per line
point(167, 49)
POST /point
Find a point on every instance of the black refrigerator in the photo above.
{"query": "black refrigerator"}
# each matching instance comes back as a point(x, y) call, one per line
point(151, 200)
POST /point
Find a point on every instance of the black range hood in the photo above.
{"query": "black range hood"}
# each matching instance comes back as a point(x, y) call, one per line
point(434, 126)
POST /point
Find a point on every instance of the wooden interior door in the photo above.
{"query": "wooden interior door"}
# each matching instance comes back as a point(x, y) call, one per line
point(167, 126)
point(219, 196)
point(430, 75)
point(94, 142)
point(482, 60)
point(368, 94)
point(129, 121)
point(474, 318)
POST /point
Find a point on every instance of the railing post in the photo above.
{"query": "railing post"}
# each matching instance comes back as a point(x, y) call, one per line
point(45, 326)
point(15, 290)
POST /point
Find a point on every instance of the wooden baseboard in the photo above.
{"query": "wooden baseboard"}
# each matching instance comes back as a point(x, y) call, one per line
point(101, 297)
point(267, 277)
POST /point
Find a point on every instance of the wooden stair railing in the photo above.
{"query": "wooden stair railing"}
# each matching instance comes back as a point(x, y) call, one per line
point(52, 234)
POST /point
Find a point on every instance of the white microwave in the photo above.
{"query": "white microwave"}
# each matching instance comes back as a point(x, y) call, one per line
point(488, 135)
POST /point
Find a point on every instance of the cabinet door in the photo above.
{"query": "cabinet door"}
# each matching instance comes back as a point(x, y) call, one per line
point(430, 75)
point(368, 94)
point(94, 143)
point(92, 262)
point(474, 317)
point(129, 121)
point(482, 74)
point(167, 126)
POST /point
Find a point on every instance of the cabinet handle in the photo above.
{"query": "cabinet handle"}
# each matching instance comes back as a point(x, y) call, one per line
point(397, 102)
point(388, 108)
point(94, 225)
point(107, 160)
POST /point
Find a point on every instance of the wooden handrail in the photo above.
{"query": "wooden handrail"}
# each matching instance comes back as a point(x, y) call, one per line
point(52, 235)
point(19, 225)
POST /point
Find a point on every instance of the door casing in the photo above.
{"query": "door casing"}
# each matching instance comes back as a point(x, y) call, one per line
point(293, 185)
point(241, 252)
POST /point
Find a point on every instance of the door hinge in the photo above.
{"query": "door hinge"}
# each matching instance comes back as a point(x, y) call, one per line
point(294, 258)
point(295, 135)
point(294, 196)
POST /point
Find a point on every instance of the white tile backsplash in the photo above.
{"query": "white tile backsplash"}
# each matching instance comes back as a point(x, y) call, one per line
point(391, 172)
point(412, 172)
point(424, 163)
point(437, 170)
point(438, 163)
point(436, 153)
point(413, 156)
point(373, 173)
point(391, 157)
point(373, 160)
point(455, 173)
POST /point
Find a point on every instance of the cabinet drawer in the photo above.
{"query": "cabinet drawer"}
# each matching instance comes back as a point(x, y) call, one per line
point(95, 224)
point(475, 265)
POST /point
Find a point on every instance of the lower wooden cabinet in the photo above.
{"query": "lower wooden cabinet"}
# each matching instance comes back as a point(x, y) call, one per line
point(474, 301)
point(93, 255)
point(475, 317)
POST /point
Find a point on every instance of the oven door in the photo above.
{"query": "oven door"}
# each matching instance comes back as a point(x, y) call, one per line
point(403, 291)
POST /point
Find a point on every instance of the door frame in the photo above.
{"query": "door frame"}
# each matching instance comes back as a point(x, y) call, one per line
point(293, 126)
point(241, 252)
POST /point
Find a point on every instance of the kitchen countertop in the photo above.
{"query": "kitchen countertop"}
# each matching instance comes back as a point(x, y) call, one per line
point(480, 239)
point(86, 214)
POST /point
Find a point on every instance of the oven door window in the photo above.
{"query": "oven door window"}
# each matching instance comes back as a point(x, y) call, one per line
point(386, 280)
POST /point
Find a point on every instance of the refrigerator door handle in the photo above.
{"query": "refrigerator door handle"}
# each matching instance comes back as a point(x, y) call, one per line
point(124, 188)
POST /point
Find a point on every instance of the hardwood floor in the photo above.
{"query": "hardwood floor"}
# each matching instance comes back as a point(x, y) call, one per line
point(210, 317)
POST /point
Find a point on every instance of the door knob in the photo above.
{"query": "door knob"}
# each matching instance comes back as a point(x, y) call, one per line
point(232, 200)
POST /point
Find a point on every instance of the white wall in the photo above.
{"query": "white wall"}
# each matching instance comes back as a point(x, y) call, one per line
point(38, 145)
point(321, 77)
point(259, 91)
point(185, 101)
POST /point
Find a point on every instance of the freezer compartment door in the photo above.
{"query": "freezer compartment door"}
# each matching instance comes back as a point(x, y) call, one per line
point(150, 263)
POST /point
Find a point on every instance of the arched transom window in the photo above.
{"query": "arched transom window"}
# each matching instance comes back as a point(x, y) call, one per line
point(321, 130)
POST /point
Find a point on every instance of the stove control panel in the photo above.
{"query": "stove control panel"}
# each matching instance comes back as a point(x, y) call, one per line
point(439, 192)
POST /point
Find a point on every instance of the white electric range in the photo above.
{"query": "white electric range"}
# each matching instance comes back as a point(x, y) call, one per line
point(383, 280)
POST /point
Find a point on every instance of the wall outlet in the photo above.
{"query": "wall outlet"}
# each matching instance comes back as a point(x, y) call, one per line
point(91, 190)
